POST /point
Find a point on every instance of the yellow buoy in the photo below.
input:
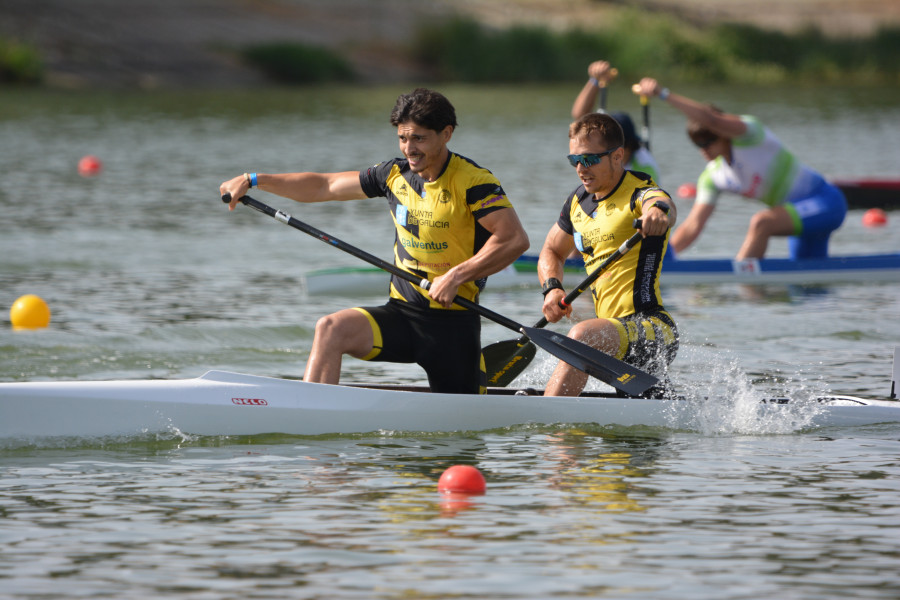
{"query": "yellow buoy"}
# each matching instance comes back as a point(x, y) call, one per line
point(29, 312)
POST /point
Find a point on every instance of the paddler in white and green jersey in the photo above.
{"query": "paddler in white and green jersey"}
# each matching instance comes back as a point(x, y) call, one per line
point(746, 158)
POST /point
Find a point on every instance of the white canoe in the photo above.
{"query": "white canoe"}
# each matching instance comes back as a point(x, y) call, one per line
point(225, 403)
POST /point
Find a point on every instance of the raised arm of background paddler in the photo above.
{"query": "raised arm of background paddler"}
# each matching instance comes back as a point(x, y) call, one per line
point(723, 124)
point(557, 246)
point(506, 243)
point(302, 187)
point(655, 220)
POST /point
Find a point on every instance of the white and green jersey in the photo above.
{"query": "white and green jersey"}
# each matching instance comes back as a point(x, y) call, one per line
point(761, 168)
point(642, 160)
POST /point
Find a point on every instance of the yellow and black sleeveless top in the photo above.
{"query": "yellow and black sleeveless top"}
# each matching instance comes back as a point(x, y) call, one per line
point(631, 284)
point(436, 221)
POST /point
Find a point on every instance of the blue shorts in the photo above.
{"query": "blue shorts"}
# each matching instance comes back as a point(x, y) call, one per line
point(815, 217)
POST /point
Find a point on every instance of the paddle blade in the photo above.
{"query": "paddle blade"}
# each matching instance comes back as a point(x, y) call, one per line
point(507, 360)
point(606, 368)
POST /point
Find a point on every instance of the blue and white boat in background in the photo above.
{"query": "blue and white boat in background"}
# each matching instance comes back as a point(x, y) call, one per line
point(868, 268)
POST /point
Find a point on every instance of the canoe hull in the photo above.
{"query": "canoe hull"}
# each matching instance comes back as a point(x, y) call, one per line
point(223, 403)
point(838, 269)
point(870, 193)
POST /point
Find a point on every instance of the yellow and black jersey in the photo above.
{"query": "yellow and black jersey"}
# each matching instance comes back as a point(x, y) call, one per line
point(631, 284)
point(436, 221)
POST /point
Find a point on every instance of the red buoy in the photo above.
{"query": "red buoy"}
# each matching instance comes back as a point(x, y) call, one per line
point(89, 166)
point(687, 190)
point(874, 217)
point(462, 478)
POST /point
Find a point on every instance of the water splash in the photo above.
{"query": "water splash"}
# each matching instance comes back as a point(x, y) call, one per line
point(729, 402)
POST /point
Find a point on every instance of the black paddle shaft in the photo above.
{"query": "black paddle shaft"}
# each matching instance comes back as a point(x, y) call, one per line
point(369, 258)
point(645, 129)
point(590, 279)
point(506, 360)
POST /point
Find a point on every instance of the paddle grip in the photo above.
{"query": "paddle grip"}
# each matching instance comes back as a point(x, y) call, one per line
point(571, 296)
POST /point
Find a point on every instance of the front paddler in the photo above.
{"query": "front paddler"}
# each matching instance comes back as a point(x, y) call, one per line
point(454, 226)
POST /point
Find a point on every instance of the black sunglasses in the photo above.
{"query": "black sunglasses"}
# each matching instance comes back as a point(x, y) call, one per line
point(589, 160)
point(705, 143)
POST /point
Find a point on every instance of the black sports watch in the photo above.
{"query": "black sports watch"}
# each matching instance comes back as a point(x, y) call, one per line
point(663, 206)
point(552, 283)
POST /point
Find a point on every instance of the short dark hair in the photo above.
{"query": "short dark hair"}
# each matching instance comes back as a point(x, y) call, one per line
point(425, 108)
point(608, 128)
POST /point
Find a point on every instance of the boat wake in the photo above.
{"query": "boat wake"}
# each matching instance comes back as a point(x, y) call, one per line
point(729, 403)
point(170, 439)
point(726, 401)
point(746, 414)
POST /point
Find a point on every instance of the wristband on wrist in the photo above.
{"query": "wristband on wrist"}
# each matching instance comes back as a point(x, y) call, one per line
point(253, 182)
point(552, 283)
point(593, 81)
point(663, 93)
point(663, 206)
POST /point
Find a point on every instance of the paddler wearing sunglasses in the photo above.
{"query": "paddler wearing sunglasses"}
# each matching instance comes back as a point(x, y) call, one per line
point(630, 321)
point(746, 158)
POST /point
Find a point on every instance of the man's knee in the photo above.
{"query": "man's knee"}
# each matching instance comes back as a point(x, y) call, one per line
point(761, 223)
point(346, 330)
point(775, 221)
point(597, 333)
point(328, 326)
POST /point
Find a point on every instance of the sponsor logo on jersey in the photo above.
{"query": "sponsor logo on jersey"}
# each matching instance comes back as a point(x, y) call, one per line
point(425, 218)
point(492, 200)
point(426, 246)
point(591, 238)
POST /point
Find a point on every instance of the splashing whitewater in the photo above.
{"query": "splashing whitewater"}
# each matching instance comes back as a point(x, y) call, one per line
point(728, 403)
point(725, 401)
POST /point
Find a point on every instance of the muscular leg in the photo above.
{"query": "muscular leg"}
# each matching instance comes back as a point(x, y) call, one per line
point(599, 333)
point(345, 332)
point(763, 225)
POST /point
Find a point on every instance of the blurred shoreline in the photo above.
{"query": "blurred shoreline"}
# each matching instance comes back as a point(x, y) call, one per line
point(151, 44)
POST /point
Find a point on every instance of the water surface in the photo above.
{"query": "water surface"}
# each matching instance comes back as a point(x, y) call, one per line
point(148, 276)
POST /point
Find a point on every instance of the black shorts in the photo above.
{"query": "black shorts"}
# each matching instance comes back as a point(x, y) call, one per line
point(446, 343)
